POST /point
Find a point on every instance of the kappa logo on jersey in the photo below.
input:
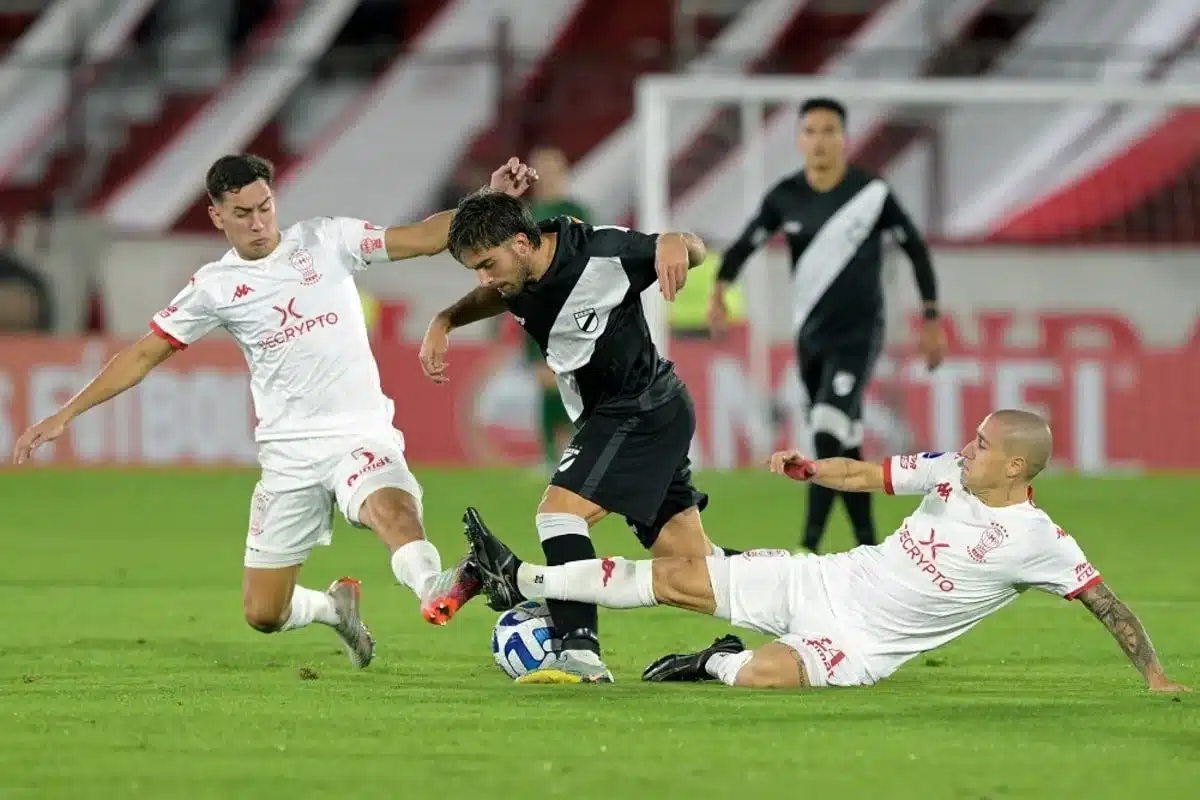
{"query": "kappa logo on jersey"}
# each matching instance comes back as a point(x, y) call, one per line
point(923, 553)
point(943, 490)
point(302, 262)
point(302, 326)
point(242, 291)
point(993, 536)
point(370, 464)
point(607, 567)
point(587, 320)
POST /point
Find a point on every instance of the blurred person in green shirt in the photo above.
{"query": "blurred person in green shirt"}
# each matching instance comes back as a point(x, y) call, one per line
point(550, 198)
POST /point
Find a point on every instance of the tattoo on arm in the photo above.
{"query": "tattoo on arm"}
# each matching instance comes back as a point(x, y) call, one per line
point(1124, 625)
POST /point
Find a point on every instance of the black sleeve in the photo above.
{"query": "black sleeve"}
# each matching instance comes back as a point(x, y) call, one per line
point(896, 221)
point(636, 250)
point(764, 225)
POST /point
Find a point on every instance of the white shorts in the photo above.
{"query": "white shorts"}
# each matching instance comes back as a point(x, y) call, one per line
point(777, 593)
point(291, 511)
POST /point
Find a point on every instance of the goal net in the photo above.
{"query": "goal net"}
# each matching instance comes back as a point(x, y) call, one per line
point(1064, 219)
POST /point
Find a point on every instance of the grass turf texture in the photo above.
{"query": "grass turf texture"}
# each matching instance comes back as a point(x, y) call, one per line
point(126, 671)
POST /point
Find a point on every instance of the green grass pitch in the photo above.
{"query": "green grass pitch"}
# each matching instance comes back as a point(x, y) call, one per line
point(126, 671)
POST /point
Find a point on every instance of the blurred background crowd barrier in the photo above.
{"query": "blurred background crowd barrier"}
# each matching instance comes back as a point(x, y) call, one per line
point(1065, 237)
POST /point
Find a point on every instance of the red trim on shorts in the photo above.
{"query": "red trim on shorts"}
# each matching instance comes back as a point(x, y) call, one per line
point(887, 477)
point(1095, 581)
point(171, 340)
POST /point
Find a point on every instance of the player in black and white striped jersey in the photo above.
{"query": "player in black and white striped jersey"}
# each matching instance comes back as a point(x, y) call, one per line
point(576, 289)
point(834, 215)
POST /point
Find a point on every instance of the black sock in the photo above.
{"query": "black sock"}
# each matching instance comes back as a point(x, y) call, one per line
point(820, 499)
point(858, 507)
point(577, 623)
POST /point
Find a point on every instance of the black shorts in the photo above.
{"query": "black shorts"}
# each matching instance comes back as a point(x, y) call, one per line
point(635, 465)
point(836, 377)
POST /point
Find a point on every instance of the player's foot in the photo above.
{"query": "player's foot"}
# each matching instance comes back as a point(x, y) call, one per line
point(450, 592)
point(690, 666)
point(494, 562)
point(570, 666)
point(346, 594)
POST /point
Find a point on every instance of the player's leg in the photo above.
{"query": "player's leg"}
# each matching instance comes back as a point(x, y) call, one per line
point(701, 585)
point(375, 489)
point(851, 372)
point(820, 499)
point(676, 530)
point(285, 526)
point(564, 520)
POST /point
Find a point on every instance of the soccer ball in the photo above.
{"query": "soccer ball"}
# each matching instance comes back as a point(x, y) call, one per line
point(523, 638)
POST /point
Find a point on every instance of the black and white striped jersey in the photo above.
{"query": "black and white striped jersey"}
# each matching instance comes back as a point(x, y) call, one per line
point(585, 314)
point(836, 243)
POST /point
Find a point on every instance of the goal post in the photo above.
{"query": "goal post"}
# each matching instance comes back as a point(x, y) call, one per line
point(1097, 116)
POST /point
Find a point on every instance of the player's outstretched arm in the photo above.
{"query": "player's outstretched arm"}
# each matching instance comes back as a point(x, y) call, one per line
point(124, 371)
point(431, 236)
point(842, 474)
point(480, 303)
point(1130, 634)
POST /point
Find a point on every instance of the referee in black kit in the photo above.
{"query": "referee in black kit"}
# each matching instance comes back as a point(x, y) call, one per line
point(834, 216)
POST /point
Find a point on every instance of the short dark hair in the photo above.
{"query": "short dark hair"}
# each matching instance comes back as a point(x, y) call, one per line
point(232, 173)
point(486, 219)
point(824, 104)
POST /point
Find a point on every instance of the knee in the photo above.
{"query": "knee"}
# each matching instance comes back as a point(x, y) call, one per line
point(264, 617)
point(772, 668)
point(684, 583)
point(393, 514)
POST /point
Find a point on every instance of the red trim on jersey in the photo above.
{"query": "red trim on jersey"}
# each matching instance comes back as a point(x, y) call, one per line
point(887, 477)
point(171, 340)
point(1095, 581)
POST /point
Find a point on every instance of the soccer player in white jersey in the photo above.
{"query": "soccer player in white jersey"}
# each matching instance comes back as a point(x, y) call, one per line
point(975, 542)
point(324, 431)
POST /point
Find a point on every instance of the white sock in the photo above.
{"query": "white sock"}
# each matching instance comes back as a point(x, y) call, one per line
point(416, 565)
point(607, 582)
point(726, 666)
point(309, 606)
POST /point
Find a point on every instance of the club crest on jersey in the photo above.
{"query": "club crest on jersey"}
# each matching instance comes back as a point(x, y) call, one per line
point(587, 320)
point(993, 536)
point(302, 262)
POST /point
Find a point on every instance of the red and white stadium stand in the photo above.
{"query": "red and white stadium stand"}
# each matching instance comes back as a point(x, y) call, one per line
point(1067, 240)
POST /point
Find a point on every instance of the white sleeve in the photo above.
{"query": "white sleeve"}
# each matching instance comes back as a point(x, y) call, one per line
point(189, 317)
point(360, 240)
point(917, 473)
point(1060, 568)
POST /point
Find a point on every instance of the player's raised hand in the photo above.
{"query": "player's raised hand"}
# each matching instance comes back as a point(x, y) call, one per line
point(513, 178)
point(433, 351)
point(794, 464)
point(671, 264)
point(47, 430)
point(932, 343)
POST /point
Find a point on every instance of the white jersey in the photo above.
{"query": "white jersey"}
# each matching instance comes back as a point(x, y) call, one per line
point(297, 316)
point(953, 562)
